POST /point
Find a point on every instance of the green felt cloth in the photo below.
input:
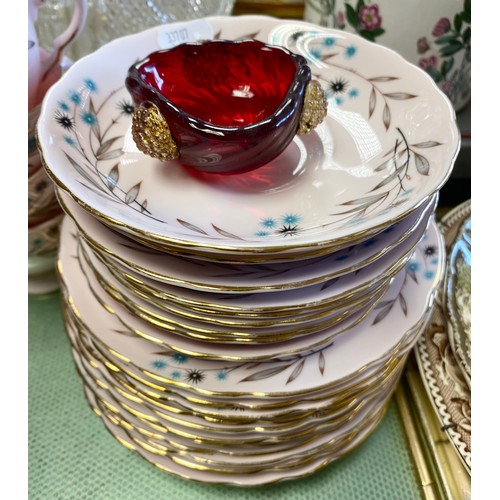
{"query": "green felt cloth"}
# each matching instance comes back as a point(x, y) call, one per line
point(72, 456)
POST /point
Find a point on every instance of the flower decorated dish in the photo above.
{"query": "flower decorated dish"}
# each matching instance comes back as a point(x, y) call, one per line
point(216, 105)
point(398, 316)
point(457, 297)
point(444, 377)
point(387, 144)
point(156, 266)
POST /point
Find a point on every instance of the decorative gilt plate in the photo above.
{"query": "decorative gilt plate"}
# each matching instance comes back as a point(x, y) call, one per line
point(441, 371)
point(208, 276)
point(389, 142)
point(265, 475)
point(458, 297)
point(399, 315)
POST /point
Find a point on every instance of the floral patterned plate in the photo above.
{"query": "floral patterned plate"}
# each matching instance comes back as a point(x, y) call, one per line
point(209, 336)
point(226, 458)
point(212, 276)
point(266, 475)
point(458, 297)
point(442, 374)
point(389, 142)
point(401, 312)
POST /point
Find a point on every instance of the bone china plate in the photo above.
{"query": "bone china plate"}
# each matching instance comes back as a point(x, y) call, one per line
point(388, 143)
point(403, 311)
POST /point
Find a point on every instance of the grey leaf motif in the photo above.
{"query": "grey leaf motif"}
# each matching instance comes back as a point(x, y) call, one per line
point(112, 178)
point(132, 193)
point(251, 366)
point(267, 373)
point(402, 303)
point(372, 103)
point(126, 333)
point(144, 206)
point(105, 146)
point(296, 371)
point(329, 283)
point(427, 144)
point(94, 187)
point(412, 274)
point(384, 311)
point(391, 162)
point(255, 34)
point(399, 96)
point(422, 164)
point(363, 203)
point(110, 155)
point(379, 79)
point(367, 200)
point(165, 352)
point(321, 363)
point(389, 178)
point(386, 116)
point(226, 233)
point(190, 226)
point(142, 249)
point(83, 173)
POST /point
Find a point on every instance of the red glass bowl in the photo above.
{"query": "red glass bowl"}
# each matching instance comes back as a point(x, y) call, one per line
point(222, 106)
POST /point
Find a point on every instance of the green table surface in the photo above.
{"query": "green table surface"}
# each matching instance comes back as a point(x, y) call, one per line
point(72, 456)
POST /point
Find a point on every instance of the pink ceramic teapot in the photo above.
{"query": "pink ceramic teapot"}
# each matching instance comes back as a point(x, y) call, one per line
point(44, 67)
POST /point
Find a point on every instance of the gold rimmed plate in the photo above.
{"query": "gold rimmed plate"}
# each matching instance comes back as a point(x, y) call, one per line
point(388, 143)
point(402, 309)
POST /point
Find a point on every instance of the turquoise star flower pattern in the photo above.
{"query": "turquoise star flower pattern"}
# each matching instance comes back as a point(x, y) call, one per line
point(179, 358)
point(75, 97)
point(287, 224)
point(329, 41)
point(159, 364)
point(88, 117)
point(350, 51)
point(221, 375)
point(69, 140)
point(413, 267)
point(63, 106)
point(90, 85)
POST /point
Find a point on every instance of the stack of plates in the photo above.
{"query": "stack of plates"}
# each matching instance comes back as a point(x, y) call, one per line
point(443, 351)
point(252, 328)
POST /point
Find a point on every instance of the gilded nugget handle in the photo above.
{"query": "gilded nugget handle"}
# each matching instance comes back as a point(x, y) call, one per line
point(314, 108)
point(151, 133)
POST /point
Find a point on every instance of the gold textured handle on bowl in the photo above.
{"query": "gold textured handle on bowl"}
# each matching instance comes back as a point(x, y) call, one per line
point(314, 109)
point(151, 133)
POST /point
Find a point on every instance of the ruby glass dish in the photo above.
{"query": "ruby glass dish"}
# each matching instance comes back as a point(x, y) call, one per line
point(222, 106)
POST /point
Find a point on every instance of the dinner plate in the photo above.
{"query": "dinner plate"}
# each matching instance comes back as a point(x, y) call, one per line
point(161, 325)
point(197, 325)
point(209, 276)
point(338, 289)
point(275, 341)
point(401, 312)
point(242, 457)
point(443, 376)
point(458, 296)
point(264, 476)
point(187, 427)
point(244, 408)
point(388, 143)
